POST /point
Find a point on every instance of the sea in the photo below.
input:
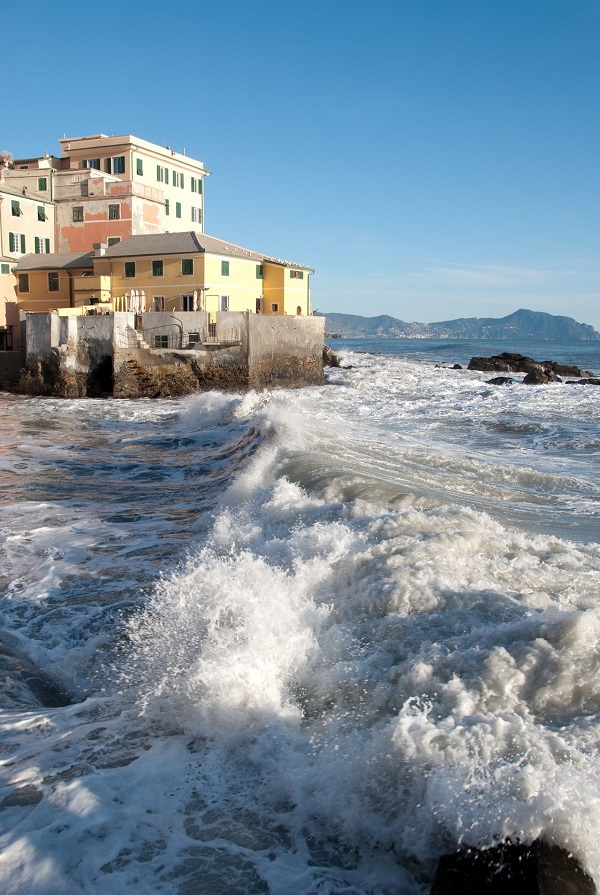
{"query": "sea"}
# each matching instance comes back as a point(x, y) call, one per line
point(300, 641)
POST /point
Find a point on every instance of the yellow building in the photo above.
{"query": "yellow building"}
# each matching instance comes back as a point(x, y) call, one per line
point(166, 272)
point(49, 282)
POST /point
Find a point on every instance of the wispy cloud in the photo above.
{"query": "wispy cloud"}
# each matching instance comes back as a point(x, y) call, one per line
point(490, 275)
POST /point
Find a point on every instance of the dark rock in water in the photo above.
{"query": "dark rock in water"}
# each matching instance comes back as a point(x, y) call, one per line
point(457, 367)
point(512, 869)
point(539, 376)
point(501, 380)
point(330, 358)
point(593, 380)
point(518, 363)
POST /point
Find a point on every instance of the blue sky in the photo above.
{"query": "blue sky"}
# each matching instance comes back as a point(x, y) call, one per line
point(430, 159)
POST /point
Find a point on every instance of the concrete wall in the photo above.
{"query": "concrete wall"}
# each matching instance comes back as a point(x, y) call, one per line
point(70, 357)
point(115, 354)
point(285, 350)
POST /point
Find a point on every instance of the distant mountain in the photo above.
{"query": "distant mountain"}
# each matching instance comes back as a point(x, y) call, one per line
point(522, 324)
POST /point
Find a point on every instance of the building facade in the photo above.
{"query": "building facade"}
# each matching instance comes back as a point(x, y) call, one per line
point(165, 272)
point(27, 218)
point(109, 188)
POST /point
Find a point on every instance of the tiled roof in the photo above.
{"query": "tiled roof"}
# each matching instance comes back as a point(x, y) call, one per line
point(64, 261)
point(187, 242)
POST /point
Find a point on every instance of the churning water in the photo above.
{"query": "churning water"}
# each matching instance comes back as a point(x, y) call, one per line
point(300, 641)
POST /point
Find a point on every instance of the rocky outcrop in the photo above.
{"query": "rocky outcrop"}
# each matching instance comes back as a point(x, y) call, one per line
point(508, 362)
point(512, 869)
point(330, 358)
point(536, 372)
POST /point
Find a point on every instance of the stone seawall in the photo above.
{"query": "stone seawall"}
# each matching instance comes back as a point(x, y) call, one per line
point(163, 355)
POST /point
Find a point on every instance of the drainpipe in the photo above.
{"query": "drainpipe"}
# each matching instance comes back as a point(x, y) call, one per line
point(71, 292)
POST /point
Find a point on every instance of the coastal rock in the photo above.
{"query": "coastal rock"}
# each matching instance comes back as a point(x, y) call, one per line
point(593, 380)
point(508, 362)
point(501, 380)
point(512, 869)
point(330, 358)
point(539, 376)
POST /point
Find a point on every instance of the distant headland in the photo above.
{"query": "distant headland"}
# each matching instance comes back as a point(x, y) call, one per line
point(523, 324)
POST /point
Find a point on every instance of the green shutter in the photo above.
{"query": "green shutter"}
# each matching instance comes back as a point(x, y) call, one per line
point(200, 185)
point(11, 242)
point(23, 243)
point(47, 246)
point(166, 206)
point(166, 175)
point(182, 181)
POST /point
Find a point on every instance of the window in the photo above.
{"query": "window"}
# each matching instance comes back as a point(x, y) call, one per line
point(186, 302)
point(42, 245)
point(274, 309)
point(130, 268)
point(92, 163)
point(193, 338)
point(196, 185)
point(157, 268)
point(139, 167)
point(23, 282)
point(197, 215)
point(187, 266)
point(78, 213)
point(224, 268)
point(42, 184)
point(162, 174)
point(108, 165)
point(259, 271)
point(53, 283)
point(16, 243)
point(158, 303)
point(224, 302)
point(118, 164)
point(297, 274)
point(42, 216)
point(161, 341)
point(114, 212)
point(16, 208)
point(178, 209)
point(167, 206)
point(113, 240)
point(4, 268)
point(177, 179)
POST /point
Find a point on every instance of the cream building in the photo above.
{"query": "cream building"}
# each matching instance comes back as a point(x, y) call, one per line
point(26, 226)
point(109, 188)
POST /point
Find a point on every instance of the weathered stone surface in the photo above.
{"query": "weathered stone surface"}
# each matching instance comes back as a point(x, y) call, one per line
point(76, 357)
point(593, 380)
point(512, 869)
point(501, 380)
point(132, 380)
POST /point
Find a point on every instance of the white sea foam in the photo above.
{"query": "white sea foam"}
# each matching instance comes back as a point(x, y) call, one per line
point(314, 638)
